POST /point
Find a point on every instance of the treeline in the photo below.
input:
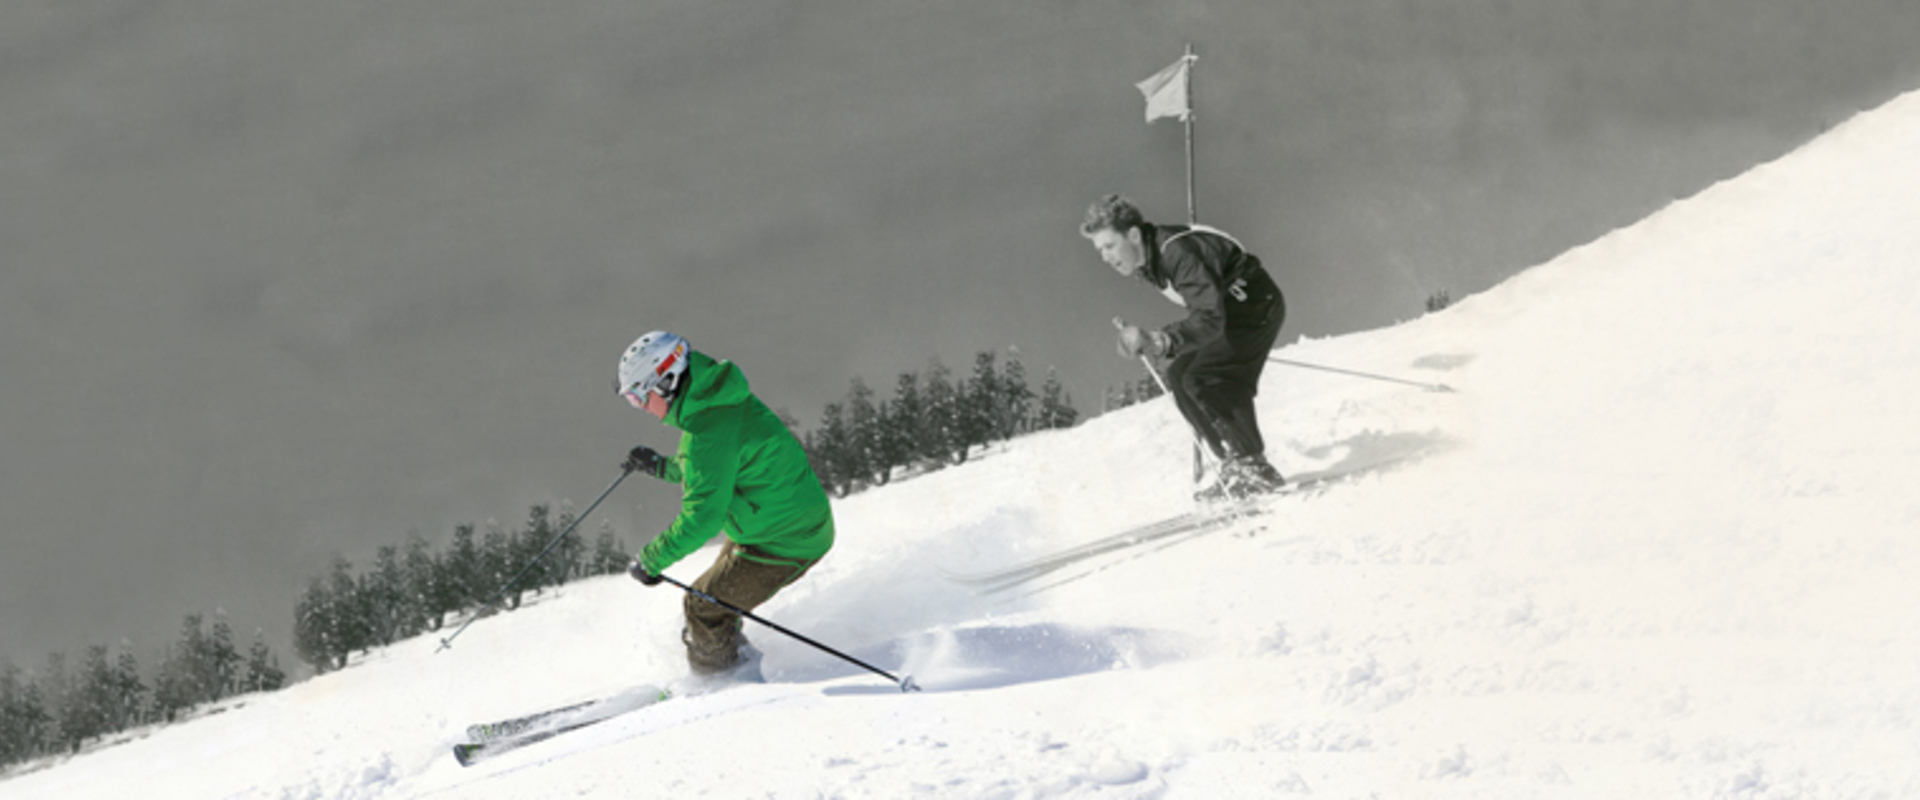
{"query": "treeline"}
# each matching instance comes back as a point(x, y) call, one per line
point(410, 589)
point(68, 705)
point(1138, 391)
point(932, 420)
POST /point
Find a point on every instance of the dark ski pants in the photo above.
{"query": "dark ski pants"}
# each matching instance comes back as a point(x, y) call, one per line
point(745, 577)
point(1214, 385)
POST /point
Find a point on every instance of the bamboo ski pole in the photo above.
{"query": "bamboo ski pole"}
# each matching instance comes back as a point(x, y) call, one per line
point(1431, 387)
point(1202, 456)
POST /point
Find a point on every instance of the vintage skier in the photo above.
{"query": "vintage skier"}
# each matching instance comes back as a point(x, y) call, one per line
point(1214, 357)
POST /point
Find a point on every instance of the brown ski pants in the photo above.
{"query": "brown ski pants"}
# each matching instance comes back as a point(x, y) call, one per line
point(744, 576)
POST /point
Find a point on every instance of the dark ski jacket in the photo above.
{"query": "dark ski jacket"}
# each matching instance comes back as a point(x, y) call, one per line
point(741, 471)
point(1223, 287)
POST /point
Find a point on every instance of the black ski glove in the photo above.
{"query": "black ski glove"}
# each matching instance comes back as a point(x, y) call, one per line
point(641, 574)
point(644, 459)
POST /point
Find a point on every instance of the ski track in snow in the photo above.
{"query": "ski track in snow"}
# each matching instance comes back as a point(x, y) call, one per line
point(1658, 544)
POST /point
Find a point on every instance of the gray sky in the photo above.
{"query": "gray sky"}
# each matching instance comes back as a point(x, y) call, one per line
point(285, 280)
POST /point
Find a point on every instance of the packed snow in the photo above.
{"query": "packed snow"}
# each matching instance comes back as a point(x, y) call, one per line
point(1658, 542)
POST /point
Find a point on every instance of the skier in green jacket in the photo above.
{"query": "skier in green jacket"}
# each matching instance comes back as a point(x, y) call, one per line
point(742, 473)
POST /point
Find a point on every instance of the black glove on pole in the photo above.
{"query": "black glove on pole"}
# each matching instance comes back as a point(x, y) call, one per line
point(645, 459)
point(448, 642)
point(641, 574)
point(906, 683)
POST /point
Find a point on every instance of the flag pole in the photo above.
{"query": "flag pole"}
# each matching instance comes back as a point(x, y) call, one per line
point(1187, 75)
point(1193, 218)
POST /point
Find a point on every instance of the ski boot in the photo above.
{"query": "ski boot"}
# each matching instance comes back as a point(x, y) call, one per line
point(1241, 478)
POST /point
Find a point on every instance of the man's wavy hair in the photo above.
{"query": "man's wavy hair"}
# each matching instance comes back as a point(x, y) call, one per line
point(1111, 212)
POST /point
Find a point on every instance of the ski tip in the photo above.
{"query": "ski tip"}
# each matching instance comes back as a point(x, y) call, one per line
point(907, 685)
point(464, 753)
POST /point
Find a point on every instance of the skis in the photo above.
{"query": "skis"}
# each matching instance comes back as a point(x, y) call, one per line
point(1205, 520)
point(1197, 522)
point(494, 738)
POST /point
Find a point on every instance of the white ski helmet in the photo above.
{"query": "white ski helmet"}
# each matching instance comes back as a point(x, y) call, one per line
point(657, 360)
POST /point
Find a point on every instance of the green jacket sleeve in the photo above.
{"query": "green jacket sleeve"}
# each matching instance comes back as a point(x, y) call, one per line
point(706, 469)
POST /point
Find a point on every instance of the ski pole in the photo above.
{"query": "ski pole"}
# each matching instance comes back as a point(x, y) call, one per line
point(906, 684)
point(1202, 455)
point(448, 642)
point(1431, 387)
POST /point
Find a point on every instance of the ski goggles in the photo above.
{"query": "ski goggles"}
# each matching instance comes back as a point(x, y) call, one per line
point(636, 396)
point(652, 402)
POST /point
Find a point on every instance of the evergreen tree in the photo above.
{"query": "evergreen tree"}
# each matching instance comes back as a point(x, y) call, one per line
point(831, 453)
point(978, 412)
point(25, 724)
point(1056, 406)
point(609, 554)
point(390, 614)
point(200, 668)
point(939, 436)
point(569, 557)
point(263, 668)
point(128, 692)
point(462, 571)
point(863, 435)
point(313, 630)
point(425, 594)
point(1146, 389)
point(901, 421)
point(223, 658)
point(527, 543)
point(352, 613)
point(1016, 400)
point(497, 561)
point(54, 685)
point(86, 711)
point(173, 687)
point(12, 740)
point(330, 620)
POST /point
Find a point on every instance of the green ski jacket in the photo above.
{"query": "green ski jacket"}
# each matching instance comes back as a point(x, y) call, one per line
point(740, 470)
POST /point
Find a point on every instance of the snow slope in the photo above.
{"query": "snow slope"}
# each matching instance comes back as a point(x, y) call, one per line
point(1660, 543)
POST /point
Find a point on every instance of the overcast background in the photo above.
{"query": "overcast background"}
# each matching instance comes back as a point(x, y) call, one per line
point(280, 281)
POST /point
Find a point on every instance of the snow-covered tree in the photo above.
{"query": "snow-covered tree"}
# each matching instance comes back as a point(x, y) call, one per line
point(939, 440)
point(863, 435)
point(25, 724)
point(263, 668)
point(1016, 400)
point(609, 554)
point(220, 660)
point(424, 582)
point(1056, 405)
point(317, 630)
point(977, 409)
point(830, 452)
point(87, 711)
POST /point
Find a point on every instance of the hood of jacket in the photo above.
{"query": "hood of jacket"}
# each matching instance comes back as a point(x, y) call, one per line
point(710, 384)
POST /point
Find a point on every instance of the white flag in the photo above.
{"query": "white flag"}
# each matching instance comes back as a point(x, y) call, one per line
point(1166, 91)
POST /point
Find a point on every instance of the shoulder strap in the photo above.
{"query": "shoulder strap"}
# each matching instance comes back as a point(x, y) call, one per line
point(1197, 228)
